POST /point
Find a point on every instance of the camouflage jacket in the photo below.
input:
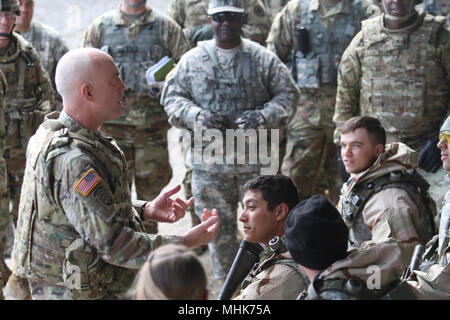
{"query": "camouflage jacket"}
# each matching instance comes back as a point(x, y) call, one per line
point(435, 282)
point(276, 277)
point(3, 88)
point(254, 79)
point(50, 47)
point(365, 274)
point(135, 46)
point(393, 211)
point(192, 13)
point(29, 96)
point(282, 38)
point(401, 77)
point(76, 213)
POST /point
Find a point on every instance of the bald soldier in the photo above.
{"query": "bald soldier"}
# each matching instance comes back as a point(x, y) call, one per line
point(75, 201)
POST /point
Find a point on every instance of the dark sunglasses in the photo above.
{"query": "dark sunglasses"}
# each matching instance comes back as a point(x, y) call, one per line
point(229, 16)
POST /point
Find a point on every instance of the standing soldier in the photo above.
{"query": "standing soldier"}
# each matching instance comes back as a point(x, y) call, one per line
point(4, 219)
point(50, 46)
point(28, 99)
point(397, 69)
point(311, 35)
point(137, 38)
point(191, 15)
point(227, 83)
point(274, 6)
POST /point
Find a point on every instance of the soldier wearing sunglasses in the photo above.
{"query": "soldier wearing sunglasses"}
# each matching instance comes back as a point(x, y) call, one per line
point(228, 82)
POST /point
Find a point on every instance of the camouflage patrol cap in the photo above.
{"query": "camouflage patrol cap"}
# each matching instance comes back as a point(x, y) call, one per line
point(10, 5)
point(446, 125)
point(217, 6)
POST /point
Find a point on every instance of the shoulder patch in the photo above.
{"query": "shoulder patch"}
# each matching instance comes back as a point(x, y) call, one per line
point(88, 182)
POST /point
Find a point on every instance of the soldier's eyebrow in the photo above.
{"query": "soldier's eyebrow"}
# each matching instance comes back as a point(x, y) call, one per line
point(250, 200)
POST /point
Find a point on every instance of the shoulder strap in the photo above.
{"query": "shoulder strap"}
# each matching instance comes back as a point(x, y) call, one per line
point(288, 262)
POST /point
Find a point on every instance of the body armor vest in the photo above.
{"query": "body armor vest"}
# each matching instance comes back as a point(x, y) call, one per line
point(46, 244)
point(133, 57)
point(409, 181)
point(403, 81)
point(320, 64)
point(229, 95)
point(23, 93)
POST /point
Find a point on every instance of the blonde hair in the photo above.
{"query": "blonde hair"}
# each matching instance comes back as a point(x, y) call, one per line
point(171, 272)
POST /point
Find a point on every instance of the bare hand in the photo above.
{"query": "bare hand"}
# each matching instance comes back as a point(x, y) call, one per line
point(205, 232)
point(165, 209)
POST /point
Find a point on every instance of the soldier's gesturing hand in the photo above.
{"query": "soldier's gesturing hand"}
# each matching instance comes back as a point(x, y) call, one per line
point(165, 209)
point(204, 232)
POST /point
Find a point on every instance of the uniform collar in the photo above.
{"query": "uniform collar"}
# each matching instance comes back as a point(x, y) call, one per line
point(148, 17)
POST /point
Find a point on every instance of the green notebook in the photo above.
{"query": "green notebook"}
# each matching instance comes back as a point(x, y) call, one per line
point(159, 71)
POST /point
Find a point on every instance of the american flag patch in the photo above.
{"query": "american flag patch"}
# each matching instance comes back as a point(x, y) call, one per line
point(88, 182)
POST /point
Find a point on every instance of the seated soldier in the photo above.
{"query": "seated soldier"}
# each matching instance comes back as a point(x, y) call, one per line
point(384, 197)
point(267, 202)
point(433, 282)
point(316, 236)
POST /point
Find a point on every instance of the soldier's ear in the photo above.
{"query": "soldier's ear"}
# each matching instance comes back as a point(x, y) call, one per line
point(282, 211)
point(86, 91)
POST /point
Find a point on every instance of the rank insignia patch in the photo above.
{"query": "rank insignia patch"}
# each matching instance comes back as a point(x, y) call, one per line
point(88, 182)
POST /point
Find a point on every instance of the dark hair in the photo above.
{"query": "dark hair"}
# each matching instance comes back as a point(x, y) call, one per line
point(374, 129)
point(275, 189)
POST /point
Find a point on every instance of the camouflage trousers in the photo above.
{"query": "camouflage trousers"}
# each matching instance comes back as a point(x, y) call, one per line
point(15, 168)
point(220, 191)
point(311, 155)
point(147, 157)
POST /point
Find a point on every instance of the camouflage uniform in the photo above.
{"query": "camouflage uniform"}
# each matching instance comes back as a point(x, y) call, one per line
point(141, 132)
point(396, 208)
point(400, 77)
point(28, 99)
point(4, 219)
point(192, 13)
point(50, 47)
point(434, 7)
point(376, 269)
point(311, 159)
point(276, 277)
point(274, 6)
point(77, 226)
point(434, 283)
point(206, 79)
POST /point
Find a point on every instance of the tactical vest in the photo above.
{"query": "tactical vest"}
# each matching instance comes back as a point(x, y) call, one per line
point(133, 58)
point(409, 181)
point(271, 261)
point(231, 95)
point(403, 81)
point(23, 94)
point(47, 247)
point(320, 64)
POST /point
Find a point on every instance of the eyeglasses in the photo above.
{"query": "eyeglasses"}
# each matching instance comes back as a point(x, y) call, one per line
point(444, 135)
point(229, 16)
point(7, 14)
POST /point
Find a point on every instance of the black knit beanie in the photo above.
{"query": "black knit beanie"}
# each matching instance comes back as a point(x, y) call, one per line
point(316, 235)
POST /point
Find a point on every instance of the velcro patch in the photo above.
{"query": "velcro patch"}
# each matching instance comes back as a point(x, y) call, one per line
point(88, 182)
